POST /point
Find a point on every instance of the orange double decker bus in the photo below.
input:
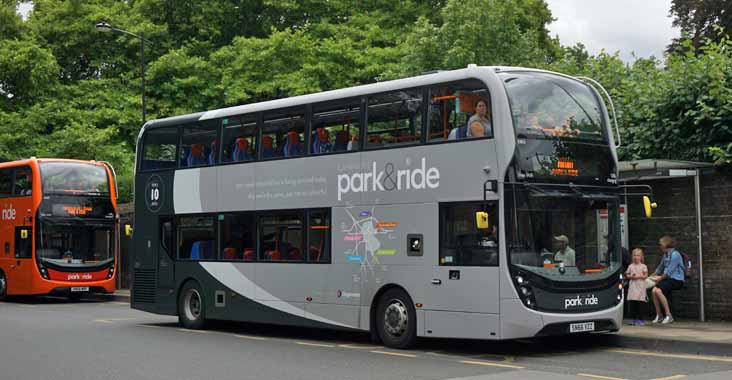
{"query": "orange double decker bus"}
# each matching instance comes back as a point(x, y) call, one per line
point(59, 227)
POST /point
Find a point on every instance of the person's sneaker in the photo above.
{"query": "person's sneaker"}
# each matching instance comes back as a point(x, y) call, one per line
point(667, 320)
point(640, 323)
point(658, 319)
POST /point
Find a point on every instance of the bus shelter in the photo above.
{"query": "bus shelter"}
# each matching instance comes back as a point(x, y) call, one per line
point(678, 190)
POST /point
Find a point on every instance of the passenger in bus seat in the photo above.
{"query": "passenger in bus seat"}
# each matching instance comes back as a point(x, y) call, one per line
point(321, 143)
point(353, 144)
point(479, 124)
point(341, 141)
point(241, 150)
point(565, 254)
point(292, 147)
point(268, 150)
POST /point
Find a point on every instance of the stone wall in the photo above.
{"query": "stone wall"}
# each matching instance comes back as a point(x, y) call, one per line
point(676, 216)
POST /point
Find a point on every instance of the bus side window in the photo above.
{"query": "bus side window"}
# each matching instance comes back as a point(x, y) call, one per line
point(240, 138)
point(23, 181)
point(462, 243)
point(199, 146)
point(335, 124)
point(319, 237)
point(394, 118)
point(196, 238)
point(451, 106)
point(158, 150)
point(283, 133)
point(6, 182)
point(238, 237)
point(281, 237)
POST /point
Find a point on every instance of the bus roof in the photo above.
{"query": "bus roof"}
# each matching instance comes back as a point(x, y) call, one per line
point(27, 161)
point(349, 92)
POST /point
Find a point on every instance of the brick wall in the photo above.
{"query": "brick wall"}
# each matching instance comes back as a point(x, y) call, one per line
point(676, 216)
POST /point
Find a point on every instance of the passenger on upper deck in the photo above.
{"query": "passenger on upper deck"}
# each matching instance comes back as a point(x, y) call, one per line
point(321, 143)
point(566, 128)
point(478, 125)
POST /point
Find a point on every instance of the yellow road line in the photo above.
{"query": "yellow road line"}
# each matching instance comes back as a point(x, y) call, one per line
point(599, 376)
point(394, 353)
point(194, 331)
point(119, 303)
point(150, 326)
point(357, 347)
point(103, 321)
point(672, 377)
point(673, 356)
point(250, 337)
point(491, 364)
point(315, 344)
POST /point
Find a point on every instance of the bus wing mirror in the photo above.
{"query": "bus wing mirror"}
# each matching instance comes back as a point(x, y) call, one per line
point(128, 230)
point(481, 220)
point(648, 206)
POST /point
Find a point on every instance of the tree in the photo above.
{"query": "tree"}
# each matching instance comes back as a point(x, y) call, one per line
point(698, 20)
point(484, 32)
point(27, 73)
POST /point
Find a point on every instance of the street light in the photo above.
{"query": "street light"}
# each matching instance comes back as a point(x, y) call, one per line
point(106, 27)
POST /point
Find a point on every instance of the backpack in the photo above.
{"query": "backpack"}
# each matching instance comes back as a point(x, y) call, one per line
point(686, 260)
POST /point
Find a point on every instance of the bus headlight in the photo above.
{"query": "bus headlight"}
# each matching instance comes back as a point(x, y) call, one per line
point(111, 272)
point(44, 271)
point(524, 291)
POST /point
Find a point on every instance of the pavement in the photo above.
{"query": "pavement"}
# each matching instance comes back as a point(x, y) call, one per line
point(681, 336)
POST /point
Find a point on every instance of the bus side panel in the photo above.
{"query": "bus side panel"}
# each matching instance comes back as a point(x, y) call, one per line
point(150, 292)
point(373, 240)
point(230, 294)
point(19, 271)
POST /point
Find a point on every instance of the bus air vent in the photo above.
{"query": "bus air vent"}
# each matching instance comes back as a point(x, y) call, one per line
point(143, 286)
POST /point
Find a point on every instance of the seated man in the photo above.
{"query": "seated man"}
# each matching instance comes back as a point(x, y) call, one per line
point(322, 141)
point(565, 254)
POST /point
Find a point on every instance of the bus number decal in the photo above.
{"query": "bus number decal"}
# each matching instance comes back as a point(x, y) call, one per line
point(153, 193)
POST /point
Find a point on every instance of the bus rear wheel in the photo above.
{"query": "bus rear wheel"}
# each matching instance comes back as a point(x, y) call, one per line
point(191, 311)
point(3, 286)
point(396, 319)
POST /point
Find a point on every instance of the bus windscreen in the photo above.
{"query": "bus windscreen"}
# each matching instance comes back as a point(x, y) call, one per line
point(74, 178)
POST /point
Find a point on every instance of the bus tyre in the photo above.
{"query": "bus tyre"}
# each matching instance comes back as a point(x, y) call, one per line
point(191, 312)
point(3, 285)
point(396, 319)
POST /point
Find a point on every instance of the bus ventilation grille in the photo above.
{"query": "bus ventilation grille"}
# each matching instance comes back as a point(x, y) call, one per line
point(143, 286)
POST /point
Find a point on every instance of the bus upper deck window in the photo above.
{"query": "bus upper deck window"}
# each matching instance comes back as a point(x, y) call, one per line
point(335, 124)
point(239, 138)
point(159, 146)
point(283, 133)
point(394, 118)
point(453, 114)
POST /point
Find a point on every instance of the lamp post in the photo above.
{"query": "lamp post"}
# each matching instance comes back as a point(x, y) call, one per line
point(106, 27)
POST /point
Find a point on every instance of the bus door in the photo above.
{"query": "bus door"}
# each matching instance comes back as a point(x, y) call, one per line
point(21, 267)
point(466, 277)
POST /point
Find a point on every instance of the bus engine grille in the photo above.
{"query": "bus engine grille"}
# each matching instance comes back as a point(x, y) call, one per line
point(143, 286)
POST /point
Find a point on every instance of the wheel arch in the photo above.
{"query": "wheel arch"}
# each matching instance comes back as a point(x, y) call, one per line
point(375, 304)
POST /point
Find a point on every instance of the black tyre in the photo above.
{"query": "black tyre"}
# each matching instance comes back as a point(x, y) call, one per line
point(3, 285)
point(191, 310)
point(396, 319)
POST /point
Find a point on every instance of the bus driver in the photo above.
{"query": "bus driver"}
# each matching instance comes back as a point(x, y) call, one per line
point(565, 254)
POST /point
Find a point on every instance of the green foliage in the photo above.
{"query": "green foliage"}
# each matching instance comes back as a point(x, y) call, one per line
point(67, 90)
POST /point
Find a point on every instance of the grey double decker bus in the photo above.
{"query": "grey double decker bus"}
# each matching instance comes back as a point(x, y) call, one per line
point(378, 208)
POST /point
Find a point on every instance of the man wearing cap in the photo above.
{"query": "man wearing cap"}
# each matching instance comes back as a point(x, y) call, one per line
point(565, 254)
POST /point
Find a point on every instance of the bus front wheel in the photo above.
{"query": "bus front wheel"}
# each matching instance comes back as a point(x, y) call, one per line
point(3, 286)
point(396, 319)
point(191, 311)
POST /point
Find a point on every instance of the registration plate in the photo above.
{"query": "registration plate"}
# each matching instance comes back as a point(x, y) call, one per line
point(581, 327)
point(80, 289)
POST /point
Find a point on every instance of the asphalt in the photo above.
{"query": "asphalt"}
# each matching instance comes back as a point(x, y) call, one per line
point(52, 338)
point(702, 338)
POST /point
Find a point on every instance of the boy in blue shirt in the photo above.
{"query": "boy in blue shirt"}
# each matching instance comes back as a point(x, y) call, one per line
point(671, 277)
